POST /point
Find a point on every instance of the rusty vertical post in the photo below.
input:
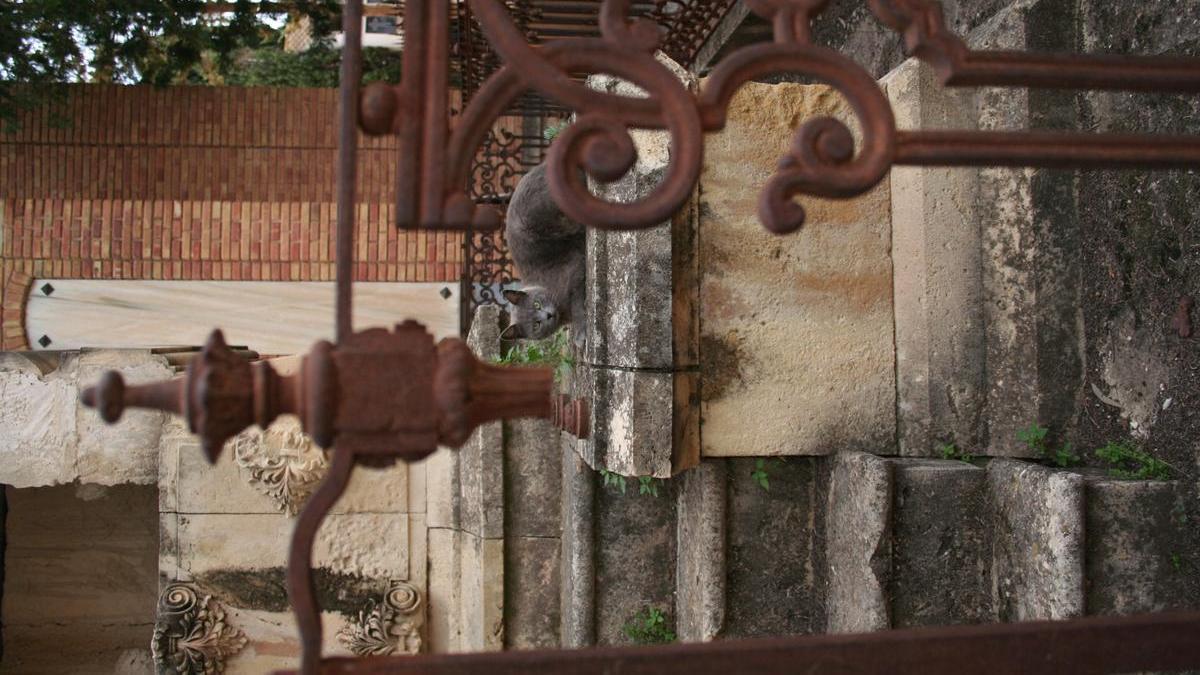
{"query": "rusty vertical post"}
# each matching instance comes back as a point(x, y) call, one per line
point(351, 73)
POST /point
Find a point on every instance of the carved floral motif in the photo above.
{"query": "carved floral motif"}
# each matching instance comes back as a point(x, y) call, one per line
point(392, 626)
point(191, 635)
point(283, 463)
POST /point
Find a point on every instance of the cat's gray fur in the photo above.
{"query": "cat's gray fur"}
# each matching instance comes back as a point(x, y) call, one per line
point(549, 250)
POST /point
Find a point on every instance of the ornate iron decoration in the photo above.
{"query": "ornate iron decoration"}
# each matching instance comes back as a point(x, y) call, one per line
point(435, 159)
point(378, 396)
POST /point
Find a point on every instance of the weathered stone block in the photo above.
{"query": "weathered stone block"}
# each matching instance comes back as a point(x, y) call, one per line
point(126, 452)
point(444, 627)
point(533, 479)
point(700, 552)
point(988, 262)
point(634, 550)
point(1038, 541)
point(640, 315)
point(532, 610)
point(482, 594)
point(940, 378)
point(631, 422)
point(1138, 541)
point(796, 330)
point(47, 437)
point(578, 549)
point(773, 552)
point(941, 544)
point(858, 530)
point(37, 432)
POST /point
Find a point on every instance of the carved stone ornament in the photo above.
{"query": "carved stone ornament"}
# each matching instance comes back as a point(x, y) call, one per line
point(191, 635)
point(282, 462)
point(392, 626)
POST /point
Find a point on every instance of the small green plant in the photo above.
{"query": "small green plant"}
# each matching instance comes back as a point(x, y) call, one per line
point(1126, 461)
point(613, 480)
point(552, 131)
point(951, 451)
point(649, 627)
point(1036, 438)
point(648, 485)
point(554, 351)
point(760, 475)
point(1177, 562)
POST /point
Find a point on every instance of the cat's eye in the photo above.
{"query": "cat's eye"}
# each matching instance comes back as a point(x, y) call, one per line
point(537, 324)
point(537, 305)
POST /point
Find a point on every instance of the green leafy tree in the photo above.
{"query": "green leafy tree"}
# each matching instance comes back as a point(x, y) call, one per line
point(44, 42)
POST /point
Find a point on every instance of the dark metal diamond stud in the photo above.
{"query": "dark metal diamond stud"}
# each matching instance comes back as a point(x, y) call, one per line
point(445, 292)
point(47, 289)
point(45, 340)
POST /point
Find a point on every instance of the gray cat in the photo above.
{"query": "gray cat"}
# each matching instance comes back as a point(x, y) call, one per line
point(549, 251)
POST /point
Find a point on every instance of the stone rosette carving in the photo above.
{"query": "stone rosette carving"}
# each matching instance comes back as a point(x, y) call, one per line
point(282, 462)
point(191, 635)
point(390, 626)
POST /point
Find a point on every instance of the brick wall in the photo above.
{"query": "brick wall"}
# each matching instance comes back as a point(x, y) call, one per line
point(198, 183)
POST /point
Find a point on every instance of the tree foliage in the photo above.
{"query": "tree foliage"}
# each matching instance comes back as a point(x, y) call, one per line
point(159, 42)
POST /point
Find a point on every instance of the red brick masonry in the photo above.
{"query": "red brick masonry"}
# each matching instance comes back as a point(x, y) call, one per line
point(217, 183)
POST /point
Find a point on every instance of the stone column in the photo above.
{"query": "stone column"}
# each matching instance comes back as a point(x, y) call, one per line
point(987, 265)
point(641, 352)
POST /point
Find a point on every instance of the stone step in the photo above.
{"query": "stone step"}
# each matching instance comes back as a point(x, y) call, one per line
point(1139, 547)
point(909, 543)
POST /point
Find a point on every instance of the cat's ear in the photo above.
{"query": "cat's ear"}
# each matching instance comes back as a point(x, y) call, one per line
point(515, 331)
point(514, 296)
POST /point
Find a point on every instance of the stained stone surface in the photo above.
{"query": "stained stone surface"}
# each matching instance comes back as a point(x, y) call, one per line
point(631, 415)
point(48, 438)
point(532, 534)
point(941, 544)
point(1038, 549)
point(858, 540)
point(634, 556)
point(578, 600)
point(796, 331)
point(532, 613)
point(1139, 547)
point(700, 552)
point(773, 560)
point(630, 303)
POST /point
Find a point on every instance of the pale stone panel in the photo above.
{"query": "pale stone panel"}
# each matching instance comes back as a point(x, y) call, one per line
point(272, 643)
point(796, 347)
point(366, 544)
point(482, 594)
point(858, 535)
point(445, 592)
point(1038, 551)
point(938, 285)
point(700, 552)
point(268, 317)
point(47, 437)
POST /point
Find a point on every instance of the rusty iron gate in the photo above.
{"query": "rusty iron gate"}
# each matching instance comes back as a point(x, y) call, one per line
point(379, 396)
point(508, 151)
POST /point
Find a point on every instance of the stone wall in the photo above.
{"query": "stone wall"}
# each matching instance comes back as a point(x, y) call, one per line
point(220, 532)
point(80, 579)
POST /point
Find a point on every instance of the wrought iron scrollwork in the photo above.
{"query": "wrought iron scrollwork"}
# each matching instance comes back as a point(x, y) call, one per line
point(823, 160)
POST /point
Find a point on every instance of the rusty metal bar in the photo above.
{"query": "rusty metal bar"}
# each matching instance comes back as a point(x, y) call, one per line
point(1045, 149)
point(1159, 74)
point(347, 171)
point(1153, 642)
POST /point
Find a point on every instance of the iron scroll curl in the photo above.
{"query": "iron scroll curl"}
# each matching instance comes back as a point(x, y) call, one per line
point(822, 160)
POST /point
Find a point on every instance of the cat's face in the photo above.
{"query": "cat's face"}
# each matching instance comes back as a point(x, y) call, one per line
point(534, 316)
